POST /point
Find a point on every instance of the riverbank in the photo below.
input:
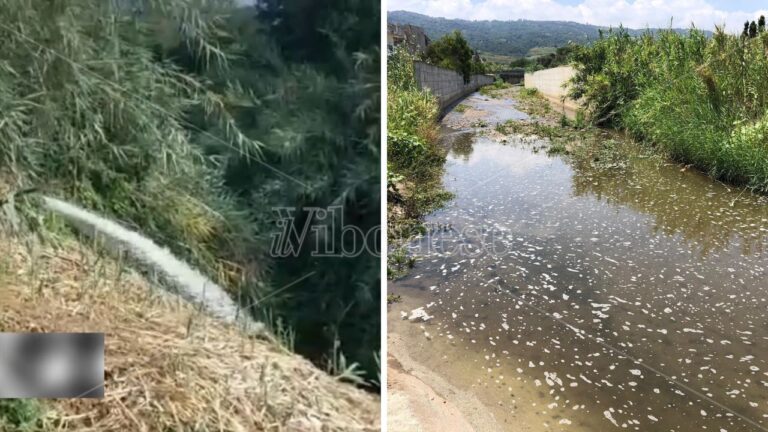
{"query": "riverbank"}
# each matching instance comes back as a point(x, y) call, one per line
point(565, 283)
point(414, 159)
point(701, 100)
point(415, 406)
point(432, 388)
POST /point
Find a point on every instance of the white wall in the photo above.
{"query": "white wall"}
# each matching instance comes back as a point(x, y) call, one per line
point(550, 83)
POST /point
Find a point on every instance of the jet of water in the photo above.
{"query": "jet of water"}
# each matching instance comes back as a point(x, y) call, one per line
point(192, 285)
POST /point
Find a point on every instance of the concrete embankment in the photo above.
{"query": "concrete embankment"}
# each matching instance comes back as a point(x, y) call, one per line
point(447, 85)
point(552, 84)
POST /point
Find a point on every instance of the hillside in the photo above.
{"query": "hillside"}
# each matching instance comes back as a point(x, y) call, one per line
point(201, 127)
point(167, 365)
point(510, 38)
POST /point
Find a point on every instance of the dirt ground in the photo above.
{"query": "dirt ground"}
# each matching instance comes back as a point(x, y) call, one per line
point(415, 406)
point(167, 365)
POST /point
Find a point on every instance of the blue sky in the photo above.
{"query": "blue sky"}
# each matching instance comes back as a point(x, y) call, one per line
point(632, 13)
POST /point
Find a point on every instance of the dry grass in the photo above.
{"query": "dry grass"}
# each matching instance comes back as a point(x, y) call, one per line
point(168, 368)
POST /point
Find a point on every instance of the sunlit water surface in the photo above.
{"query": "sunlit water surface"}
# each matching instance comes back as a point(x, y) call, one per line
point(634, 298)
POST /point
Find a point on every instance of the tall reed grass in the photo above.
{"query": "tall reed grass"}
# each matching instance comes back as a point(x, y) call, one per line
point(703, 100)
point(192, 121)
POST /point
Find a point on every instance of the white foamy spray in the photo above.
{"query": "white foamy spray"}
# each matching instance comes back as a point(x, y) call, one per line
point(192, 285)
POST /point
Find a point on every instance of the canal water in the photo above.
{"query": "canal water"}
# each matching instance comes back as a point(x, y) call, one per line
point(573, 297)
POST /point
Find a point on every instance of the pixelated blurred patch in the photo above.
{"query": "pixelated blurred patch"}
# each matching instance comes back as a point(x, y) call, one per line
point(51, 365)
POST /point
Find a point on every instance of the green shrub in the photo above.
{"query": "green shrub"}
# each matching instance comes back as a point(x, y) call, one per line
point(500, 84)
point(492, 90)
point(557, 147)
point(414, 159)
point(413, 112)
point(580, 122)
point(405, 147)
point(501, 128)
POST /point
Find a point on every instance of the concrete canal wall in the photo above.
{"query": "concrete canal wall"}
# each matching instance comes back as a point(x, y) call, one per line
point(550, 83)
point(446, 84)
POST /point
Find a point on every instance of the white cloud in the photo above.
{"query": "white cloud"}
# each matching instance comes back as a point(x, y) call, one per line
point(634, 14)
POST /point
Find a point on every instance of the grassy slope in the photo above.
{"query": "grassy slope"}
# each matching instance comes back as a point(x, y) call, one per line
point(167, 366)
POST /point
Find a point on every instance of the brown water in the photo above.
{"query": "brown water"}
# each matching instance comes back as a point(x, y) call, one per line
point(594, 299)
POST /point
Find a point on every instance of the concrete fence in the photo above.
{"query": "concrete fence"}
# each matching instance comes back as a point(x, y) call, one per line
point(446, 84)
point(549, 82)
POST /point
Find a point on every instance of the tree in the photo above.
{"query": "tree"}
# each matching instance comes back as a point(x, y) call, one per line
point(761, 24)
point(752, 30)
point(745, 32)
point(478, 67)
point(452, 51)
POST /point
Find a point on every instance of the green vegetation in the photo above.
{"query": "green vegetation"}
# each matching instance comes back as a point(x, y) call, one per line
point(502, 128)
point(461, 108)
point(533, 102)
point(398, 263)
point(511, 38)
point(452, 51)
point(573, 138)
point(703, 101)
point(192, 125)
point(583, 145)
point(541, 51)
point(21, 415)
point(557, 147)
point(543, 58)
point(415, 161)
point(495, 63)
point(493, 90)
point(580, 122)
point(529, 93)
point(536, 59)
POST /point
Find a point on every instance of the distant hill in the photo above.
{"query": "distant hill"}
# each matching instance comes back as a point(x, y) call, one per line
point(507, 38)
